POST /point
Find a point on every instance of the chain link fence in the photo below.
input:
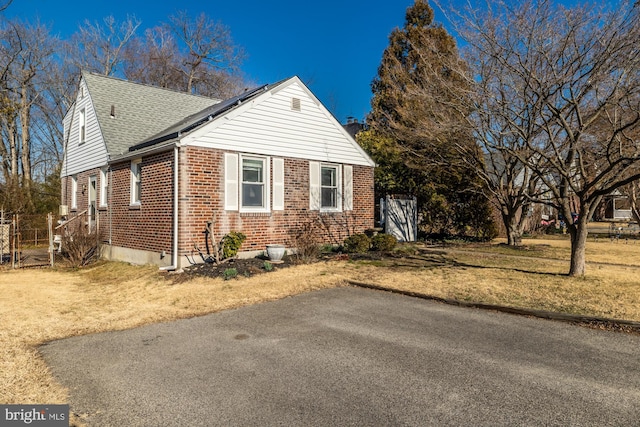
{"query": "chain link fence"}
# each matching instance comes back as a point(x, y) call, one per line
point(26, 240)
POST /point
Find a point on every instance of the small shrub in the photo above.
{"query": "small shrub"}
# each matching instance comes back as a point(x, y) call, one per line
point(307, 243)
point(230, 273)
point(327, 248)
point(80, 246)
point(357, 243)
point(267, 266)
point(383, 242)
point(231, 244)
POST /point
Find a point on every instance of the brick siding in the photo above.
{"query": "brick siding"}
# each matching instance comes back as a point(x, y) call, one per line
point(203, 194)
point(149, 226)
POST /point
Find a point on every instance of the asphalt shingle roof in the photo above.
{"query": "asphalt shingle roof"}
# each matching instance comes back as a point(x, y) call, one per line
point(141, 111)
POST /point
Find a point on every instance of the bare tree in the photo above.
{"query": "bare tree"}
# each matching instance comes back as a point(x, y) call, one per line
point(4, 5)
point(211, 59)
point(154, 59)
point(190, 55)
point(577, 71)
point(29, 54)
point(99, 47)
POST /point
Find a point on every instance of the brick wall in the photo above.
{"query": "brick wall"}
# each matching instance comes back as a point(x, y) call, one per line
point(202, 194)
point(149, 225)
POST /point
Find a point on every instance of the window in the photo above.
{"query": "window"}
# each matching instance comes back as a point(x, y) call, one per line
point(74, 192)
point(82, 125)
point(329, 187)
point(136, 181)
point(246, 183)
point(253, 183)
point(104, 186)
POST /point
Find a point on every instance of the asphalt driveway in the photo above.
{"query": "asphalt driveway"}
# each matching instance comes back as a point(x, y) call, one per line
point(352, 356)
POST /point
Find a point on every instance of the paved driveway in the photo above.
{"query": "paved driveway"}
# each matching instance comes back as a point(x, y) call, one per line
point(352, 357)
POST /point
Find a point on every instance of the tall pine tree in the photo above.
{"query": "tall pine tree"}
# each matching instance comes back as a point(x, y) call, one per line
point(418, 116)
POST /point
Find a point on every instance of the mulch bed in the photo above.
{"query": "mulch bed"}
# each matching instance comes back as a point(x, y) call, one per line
point(247, 267)
point(244, 267)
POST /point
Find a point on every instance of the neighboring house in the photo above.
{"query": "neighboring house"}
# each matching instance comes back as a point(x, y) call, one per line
point(615, 207)
point(153, 166)
point(353, 127)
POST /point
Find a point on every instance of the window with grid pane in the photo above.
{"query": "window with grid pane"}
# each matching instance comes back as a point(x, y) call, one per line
point(329, 186)
point(136, 181)
point(253, 179)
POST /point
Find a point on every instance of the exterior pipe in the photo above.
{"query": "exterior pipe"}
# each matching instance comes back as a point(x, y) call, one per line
point(174, 255)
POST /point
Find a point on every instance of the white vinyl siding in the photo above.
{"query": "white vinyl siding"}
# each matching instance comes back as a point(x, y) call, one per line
point(268, 126)
point(92, 153)
point(278, 184)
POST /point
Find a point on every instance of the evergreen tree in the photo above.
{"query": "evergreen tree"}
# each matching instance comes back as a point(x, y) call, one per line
point(418, 122)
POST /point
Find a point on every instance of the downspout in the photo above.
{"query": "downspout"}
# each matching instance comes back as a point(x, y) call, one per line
point(174, 256)
point(110, 202)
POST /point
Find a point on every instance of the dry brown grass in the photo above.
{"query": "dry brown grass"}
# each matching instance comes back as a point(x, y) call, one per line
point(37, 306)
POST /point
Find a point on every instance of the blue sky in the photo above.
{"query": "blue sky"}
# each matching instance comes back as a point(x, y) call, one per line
point(335, 46)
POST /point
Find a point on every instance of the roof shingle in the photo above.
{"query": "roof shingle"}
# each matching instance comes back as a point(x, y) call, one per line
point(141, 111)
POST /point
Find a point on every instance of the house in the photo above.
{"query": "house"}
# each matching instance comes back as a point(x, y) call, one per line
point(151, 168)
point(615, 206)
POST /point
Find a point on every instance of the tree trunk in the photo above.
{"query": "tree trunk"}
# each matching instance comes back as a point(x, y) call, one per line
point(578, 233)
point(13, 150)
point(25, 124)
point(514, 227)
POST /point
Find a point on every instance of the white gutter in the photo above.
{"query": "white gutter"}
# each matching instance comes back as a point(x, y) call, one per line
point(174, 256)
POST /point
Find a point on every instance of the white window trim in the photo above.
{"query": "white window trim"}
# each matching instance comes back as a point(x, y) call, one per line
point(315, 186)
point(74, 192)
point(104, 187)
point(134, 181)
point(338, 207)
point(266, 182)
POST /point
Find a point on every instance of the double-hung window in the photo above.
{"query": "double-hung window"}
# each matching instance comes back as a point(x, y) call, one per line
point(329, 187)
point(136, 181)
point(82, 125)
point(253, 183)
point(247, 180)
